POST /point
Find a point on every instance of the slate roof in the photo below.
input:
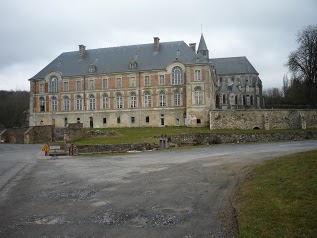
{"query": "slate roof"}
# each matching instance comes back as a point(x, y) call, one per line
point(202, 44)
point(116, 59)
point(233, 65)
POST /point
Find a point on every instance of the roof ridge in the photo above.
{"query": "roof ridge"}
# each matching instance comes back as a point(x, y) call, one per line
point(121, 46)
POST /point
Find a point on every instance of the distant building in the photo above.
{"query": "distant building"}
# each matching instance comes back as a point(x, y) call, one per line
point(156, 84)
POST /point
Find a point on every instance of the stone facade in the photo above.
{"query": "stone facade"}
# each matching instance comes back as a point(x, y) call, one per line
point(263, 119)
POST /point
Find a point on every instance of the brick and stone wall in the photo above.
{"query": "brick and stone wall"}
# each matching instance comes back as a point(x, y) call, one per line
point(263, 119)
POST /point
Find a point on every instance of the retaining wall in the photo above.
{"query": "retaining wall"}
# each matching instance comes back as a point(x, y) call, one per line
point(263, 119)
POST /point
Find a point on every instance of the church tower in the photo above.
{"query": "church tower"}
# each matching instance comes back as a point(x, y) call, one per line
point(202, 48)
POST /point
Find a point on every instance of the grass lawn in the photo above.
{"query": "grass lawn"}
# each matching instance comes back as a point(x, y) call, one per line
point(280, 198)
point(146, 134)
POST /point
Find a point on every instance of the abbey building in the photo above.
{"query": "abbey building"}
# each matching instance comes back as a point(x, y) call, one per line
point(156, 84)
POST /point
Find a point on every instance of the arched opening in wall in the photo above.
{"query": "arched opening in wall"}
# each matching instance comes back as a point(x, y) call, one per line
point(217, 101)
point(236, 99)
point(91, 122)
point(251, 100)
point(244, 100)
point(224, 99)
point(256, 128)
point(65, 121)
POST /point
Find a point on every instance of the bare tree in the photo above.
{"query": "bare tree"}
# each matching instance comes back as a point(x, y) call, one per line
point(303, 61)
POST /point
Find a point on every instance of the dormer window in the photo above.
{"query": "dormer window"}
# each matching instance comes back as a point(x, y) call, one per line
point(92, 68)
point(133, 65)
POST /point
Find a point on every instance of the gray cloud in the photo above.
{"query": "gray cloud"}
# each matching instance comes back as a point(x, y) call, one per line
point(34, 32)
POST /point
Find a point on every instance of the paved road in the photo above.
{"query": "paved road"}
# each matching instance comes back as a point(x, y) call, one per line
point(180, 193)
point(14, 158)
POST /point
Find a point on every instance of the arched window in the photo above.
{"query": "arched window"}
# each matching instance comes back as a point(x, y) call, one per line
point(54, 103)
point(53, 84)
point(162, 99)
point(224, 99)
point(66, 103)
point(236, 99)
point(251, 100)
point(217, 101)
point(198, 96)
point(79, 103)
point(92, 102)
point(177, 98)
point(147, 99)
point(42, 104)
point(177, 75)
point(133, 100)
point(119, 100)
point(105, 101)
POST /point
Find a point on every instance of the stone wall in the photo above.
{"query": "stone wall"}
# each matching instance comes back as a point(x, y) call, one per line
point(39, 134)
point(118, 148)
point(14, 135)
point(217, 138)
point(263, 119)
point(73, 131)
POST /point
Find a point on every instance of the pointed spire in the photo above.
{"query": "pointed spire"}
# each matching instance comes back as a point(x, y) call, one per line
point(202, 47)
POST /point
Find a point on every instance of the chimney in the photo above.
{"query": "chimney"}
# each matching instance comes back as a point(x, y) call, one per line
point(156, 44)
point(82, 51)
point(193, 46)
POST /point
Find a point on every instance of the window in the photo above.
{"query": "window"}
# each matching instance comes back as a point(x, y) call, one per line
point(162, 80)
point(177, 122)
point(105, 101)
point(41, 88)
point(105, 83)
point(132, 119)
point(197, 75)
point(177, 98)
point(133, 100)
point(198, 96)
point(104, 120)
point(147, 99)
point(54, 104)
point(118, 82)
point(53, 84)
point(92, 102)
point(66, 87)
point(236, 99)
point(119, 100)
point(223, 99)
point(91, 84)
point(251, 100)
point(78, 120)
point(78, 85)
point(132, 82)
point(92, 68)
point(79, 103)
point(146, 80)
point(118, 120)
point(42, 104)
point(66, 103)
point(162, 99)
point(133, 64)
point(177, 75)
point(198, 121)
point(147, 119)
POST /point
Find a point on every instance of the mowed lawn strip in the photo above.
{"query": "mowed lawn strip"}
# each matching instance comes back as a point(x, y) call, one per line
point(147, 134)
point(280, 198)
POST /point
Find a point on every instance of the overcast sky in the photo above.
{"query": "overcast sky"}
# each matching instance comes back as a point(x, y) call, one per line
point(35, 32)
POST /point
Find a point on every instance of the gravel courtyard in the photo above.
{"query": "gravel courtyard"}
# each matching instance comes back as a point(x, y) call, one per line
point(173, 193)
